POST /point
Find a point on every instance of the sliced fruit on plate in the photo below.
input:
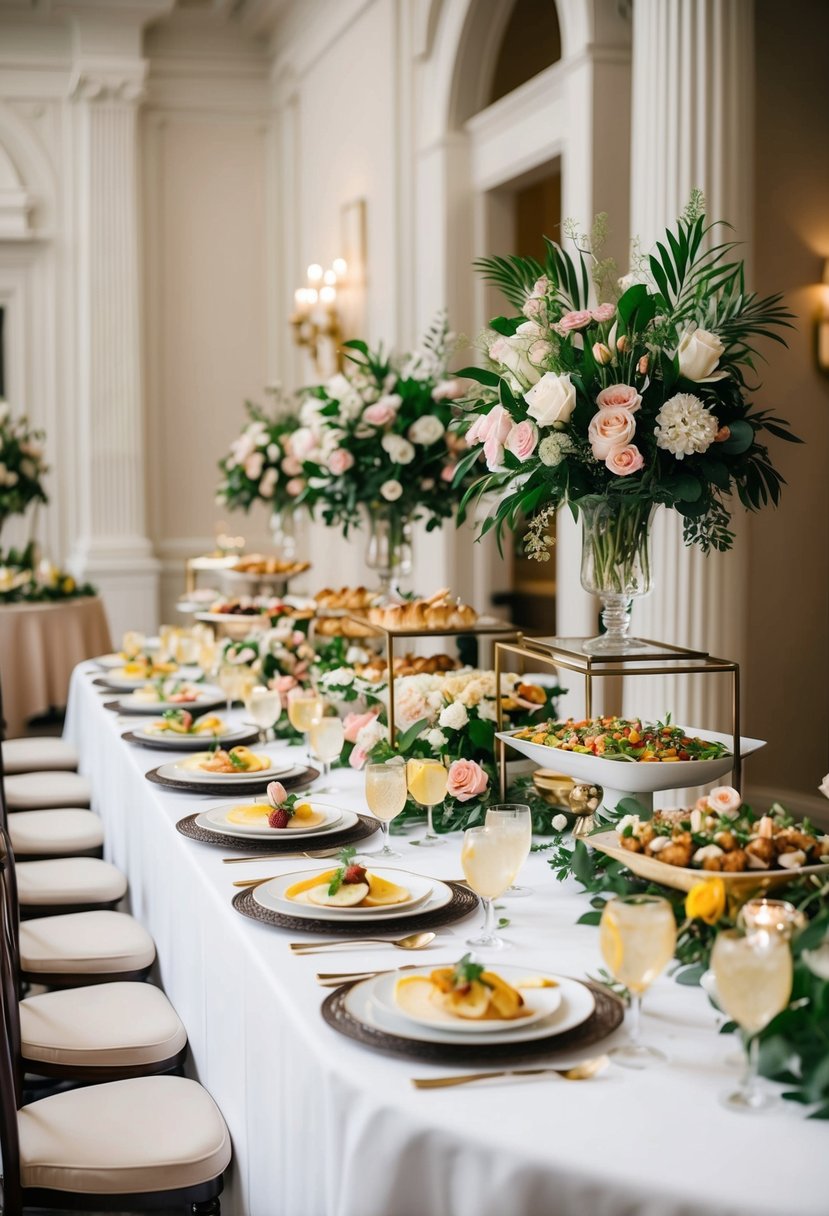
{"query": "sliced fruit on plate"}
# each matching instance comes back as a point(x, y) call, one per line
point(348, 895)
point(307, 884)
point(467, 990)
point(382, 892)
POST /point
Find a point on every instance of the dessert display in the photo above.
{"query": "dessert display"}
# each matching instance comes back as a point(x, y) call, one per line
point(182, 722)
point(348, 886)
point(439, 611)
point(613, 738)
point(256, 564)
point(375, 669)
point(346, 599)
point(253, 606)
point(237, 761)
point(340, 627)
point(722, 835)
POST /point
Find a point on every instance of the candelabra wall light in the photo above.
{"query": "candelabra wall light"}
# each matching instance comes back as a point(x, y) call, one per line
point(316, 320)
point(823, 323)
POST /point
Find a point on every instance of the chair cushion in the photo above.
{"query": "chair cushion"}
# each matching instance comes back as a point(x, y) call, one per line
point(69, 880)
point(85, 943)
point(148, 1134)
point(58, 832)
point(40, 791)
point(36, 755)
point(103, 1026)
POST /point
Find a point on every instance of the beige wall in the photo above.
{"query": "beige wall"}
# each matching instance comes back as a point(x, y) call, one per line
point(787, 681)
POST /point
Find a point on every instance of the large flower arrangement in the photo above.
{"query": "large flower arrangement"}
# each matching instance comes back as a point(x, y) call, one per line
point(261, 465)
point(22, 464)
point(639, 400)
point(377, 435)
point(25, 580)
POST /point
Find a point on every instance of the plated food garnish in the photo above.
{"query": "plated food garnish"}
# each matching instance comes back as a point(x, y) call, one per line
point(625, 739)
point(282, 811)
point(171, 692)
point(467, 990)
point(182, 722)
point(722, 834)
point(348, 886)
point(236, 761)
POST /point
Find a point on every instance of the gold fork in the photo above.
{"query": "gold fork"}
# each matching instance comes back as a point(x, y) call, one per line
point(578, 1072)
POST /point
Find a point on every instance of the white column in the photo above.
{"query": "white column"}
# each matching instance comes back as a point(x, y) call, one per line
point(692, 127)
point(111, 548)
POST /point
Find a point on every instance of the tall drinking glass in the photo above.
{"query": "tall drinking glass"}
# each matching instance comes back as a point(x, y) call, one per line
point(304, 704)
point(637, 938)
point(753, 973)
point(264, 706)
point(489, 866)
point(326, 737)
point(427, 780)
point(515, 819)
point(386, 794)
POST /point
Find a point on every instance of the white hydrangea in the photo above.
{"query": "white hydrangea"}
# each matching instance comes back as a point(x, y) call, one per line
point(341, 676)
point(435, 738)
point(553, 449)
point(685, 426)
point(398, 449)
point(427, 429)
point(454, 716)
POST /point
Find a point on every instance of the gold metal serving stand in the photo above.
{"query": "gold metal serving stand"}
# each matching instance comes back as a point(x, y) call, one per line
point(390, 636)
point(655, 659)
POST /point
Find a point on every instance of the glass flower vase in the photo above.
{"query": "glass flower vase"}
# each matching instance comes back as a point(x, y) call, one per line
point(615, 566)
point(283, 534)
point(389, 549)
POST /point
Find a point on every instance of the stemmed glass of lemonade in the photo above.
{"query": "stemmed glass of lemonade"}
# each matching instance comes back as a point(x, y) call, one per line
point(637, 938)
point(427, 778)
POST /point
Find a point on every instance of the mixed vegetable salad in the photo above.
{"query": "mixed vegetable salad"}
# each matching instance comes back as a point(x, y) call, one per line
point(628, 739)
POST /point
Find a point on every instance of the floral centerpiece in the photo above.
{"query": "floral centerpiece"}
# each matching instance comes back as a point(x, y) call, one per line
point(280, 658)
point(22, 464)
point(375, 443)
point(617, 407)
point(261, 466)
point(23, 579)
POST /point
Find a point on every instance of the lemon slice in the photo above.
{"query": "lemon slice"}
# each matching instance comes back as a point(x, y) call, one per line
point(611, 944)
point(256, 813)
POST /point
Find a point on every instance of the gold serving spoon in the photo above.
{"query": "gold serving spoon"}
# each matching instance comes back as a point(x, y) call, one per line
point(283, 856)
point(413, 941)
point(579, 1072)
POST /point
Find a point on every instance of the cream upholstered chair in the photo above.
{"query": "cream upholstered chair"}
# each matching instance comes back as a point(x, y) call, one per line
point(70, 884)
point(129, 1145)
point(44, 791)
point(63, 832)
point(39, 755)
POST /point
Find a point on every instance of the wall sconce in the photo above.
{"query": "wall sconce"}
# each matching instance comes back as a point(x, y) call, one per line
point(316, 320)
point(823, 323)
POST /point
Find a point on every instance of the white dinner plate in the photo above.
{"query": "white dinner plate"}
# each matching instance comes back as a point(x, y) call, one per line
point(207, 697)
point(109, 661)
point(577, 1004)
point(348, 820)
point(540, 1003)
point(179, 770)
point(115, 679)
point(217, 820)
point(191, 743)
point(427, 893)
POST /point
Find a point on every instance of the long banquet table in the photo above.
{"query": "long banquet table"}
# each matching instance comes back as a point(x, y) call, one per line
point(322, 1126)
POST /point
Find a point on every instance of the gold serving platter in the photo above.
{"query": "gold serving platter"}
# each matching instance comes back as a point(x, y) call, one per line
point(682, 878)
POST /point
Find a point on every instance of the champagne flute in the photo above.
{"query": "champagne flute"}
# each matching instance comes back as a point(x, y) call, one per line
point(753, 974)
point(326, 738)
point(386, 794)
point(304, 704)
point(132, 644)
point(166, 642)
point(489, 866)
point(516, 821)
point(264, 706)
point(228, 681)
point(427, 779)
point(637, 938)
point(186, 649)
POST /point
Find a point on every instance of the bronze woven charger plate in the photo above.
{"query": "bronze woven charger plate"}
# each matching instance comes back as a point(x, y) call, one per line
point(365, 827)
point(131, 737)
point(297, 782)
point(463, 902)
point(605, 1018)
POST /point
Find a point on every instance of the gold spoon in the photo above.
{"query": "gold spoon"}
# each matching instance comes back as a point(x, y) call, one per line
point(282, 856)
point(579, 1072)
point(414, 941)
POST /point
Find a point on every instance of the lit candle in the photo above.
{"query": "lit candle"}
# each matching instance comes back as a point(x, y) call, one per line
point(340, 267)
point(314, 273)
point(328, 294)
point(772, 916)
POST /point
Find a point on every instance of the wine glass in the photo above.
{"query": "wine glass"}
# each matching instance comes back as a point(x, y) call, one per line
point(427, 779)
point(517, 823)
point(304, 704)
point(753, 974)
point(386, 794)
point(326, 738)
point(228, 681)
point(186, 648)
point(132, 643)
point(637, 938)
point(489, 866)
point(166, 642)
point(264, 706)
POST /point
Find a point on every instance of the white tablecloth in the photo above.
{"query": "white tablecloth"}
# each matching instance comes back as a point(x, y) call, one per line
point(324, 1127)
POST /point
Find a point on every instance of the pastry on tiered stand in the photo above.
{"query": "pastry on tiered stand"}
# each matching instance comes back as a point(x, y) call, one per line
point(407, 665)
point(434, 614)
point(346, 599)
point(259, 564)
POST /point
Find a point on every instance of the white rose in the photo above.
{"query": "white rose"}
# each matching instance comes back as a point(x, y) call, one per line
point(303, 442)
point(391, 490)
point(454, 716)
point(370, 734)
point(558, 823)
point(513, 354)
point(435, 738)
point(486, 711)
point(552, 400)
point(427, 429)
point(699, 353)
point(338, 387)
point(398, 449)
point(273, 452)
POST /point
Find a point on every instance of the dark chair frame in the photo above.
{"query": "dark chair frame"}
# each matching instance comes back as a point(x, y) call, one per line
point(200, 1200)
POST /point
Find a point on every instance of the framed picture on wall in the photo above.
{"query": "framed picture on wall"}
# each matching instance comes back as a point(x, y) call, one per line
point(353, 244)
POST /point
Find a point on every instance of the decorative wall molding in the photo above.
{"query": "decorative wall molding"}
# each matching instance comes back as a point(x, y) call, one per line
point(108, 81)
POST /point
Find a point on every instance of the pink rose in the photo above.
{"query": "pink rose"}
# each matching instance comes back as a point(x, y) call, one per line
point(358, 757)
point(624, 461)
point(725, 800)
point(541, 286)
point(449, 390)
point(294, 487)
point(573, 320)
point(354, 723)
point(301, 442)
point(494, 453)
point(253, 466)
point(283, 685)
point(609, 429)
point(340, 461)
point(497, 421)
point(522, 440)
point(535, 309)
point(277, 794)
point(466, 779)
point(604, 312)
point(619, 397)
point(291, 466)
point(379, 414)
point(447, 473)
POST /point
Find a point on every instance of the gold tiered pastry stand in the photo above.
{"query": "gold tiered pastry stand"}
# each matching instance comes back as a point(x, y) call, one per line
point(655, 659)
point(484, 628)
